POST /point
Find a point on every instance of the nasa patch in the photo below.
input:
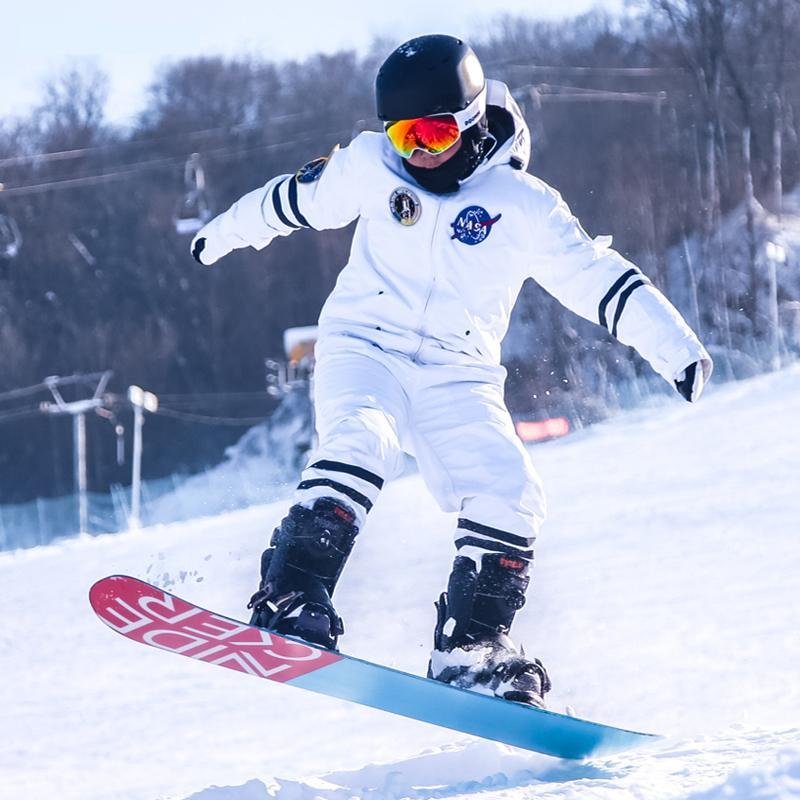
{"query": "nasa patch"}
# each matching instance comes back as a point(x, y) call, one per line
point(405, 206)
point(473, 225)
point(311, 171)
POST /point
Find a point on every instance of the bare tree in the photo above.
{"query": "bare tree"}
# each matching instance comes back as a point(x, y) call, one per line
point(72, 111)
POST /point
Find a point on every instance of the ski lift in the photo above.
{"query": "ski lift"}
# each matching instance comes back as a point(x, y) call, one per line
point(10, 237)
point(194, 210)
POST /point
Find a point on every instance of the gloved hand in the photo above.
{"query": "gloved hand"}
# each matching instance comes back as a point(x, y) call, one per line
point(210, 243)
point(198, 245)
point(242, 225)
point(691, 381)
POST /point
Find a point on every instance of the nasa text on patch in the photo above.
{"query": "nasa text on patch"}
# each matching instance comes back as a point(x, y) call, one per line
point(473, 224)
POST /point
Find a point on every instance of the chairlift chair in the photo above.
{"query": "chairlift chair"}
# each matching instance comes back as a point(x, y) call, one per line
point(10, 237)
point(194, 209)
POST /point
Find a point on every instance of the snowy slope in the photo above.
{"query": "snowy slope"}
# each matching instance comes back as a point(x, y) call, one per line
point(664, 599)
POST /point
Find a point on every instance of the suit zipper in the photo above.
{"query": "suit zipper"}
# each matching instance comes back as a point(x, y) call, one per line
point(433, 279)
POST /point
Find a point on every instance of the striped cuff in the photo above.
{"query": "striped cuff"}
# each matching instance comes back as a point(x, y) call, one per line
point(281, 208)
point(617, 296)
point(351, 483)
point(471, 535)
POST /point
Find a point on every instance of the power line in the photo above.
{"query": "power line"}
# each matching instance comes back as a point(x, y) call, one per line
point(630, 72)
point(213, 403)
point(87, 180)
point(206, 420)
point(20, 413)
point(555, 88)
point(143, 166)
point(193, 397)
point(548, 92)
point(213, 396)
point(33, 411)
point(13, 394)
point(64, 155)
point(68, 380)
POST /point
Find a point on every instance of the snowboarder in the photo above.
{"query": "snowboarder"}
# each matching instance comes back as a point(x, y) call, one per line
point(450, 224)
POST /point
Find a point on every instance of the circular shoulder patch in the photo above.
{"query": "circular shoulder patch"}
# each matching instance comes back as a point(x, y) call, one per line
point(311, 171)
point(405, 206)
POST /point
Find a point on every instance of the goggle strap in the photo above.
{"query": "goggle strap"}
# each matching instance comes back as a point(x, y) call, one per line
point(473, 112)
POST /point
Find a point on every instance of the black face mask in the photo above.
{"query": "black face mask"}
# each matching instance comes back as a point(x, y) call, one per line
point(444, 179)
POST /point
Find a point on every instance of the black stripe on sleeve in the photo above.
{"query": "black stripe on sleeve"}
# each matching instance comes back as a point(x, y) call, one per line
point(493, 547)
point(278, 206)
point(623, 298)
point(355, 496)
point(293, 203)
point(609, 296)
point(350, 469)
point(495, 533)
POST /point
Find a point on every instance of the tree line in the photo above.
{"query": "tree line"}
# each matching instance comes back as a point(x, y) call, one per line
point(653, 127)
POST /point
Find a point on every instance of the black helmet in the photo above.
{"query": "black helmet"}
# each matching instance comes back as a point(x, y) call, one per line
point(432, 74)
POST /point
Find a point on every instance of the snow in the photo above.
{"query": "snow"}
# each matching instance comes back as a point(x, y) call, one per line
point(255, 470)
point(664, 599)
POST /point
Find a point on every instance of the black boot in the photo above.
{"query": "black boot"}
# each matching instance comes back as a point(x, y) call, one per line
point(472, 649)
point(299, 572)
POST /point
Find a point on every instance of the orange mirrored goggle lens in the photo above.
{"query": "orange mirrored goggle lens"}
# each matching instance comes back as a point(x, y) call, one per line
point(431, 134)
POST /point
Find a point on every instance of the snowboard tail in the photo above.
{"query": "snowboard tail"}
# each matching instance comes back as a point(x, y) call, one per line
point(151, 616)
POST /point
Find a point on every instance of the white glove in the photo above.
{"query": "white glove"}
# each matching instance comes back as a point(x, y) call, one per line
point(209, 245)
point(691, 381)
point(242, 225)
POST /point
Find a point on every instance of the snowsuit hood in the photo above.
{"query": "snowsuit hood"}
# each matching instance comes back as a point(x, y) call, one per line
point(508, 126)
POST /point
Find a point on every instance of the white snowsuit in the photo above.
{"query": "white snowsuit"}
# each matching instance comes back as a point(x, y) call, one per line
point(408, 356)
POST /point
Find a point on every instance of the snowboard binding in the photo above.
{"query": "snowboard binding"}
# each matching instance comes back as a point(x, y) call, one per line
point(300, 569)
point(472, 649)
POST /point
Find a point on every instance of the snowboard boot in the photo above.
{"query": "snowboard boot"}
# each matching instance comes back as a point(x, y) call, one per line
point(472, 649)
point(300, 569)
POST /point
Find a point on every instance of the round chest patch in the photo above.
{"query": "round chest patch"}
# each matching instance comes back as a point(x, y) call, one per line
point(473, 225)
point(405, 206)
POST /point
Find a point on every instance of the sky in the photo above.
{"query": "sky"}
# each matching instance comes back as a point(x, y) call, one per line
point(130, 40)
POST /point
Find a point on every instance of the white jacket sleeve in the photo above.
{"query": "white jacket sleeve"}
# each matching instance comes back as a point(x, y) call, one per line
point(597, 283)
point(321, 195)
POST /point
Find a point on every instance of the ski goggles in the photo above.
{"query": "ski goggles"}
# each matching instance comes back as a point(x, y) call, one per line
point(436, 133)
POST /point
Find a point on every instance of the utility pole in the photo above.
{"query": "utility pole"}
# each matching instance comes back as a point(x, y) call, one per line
point(78, 409)
point(141, 401)
point(776, 255)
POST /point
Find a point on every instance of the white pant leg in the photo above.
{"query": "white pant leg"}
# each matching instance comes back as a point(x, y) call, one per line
point(474, 463)
point(360, 409)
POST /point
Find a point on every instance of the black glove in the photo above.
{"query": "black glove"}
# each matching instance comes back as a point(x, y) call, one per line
point(198, 248)
point(691, 381)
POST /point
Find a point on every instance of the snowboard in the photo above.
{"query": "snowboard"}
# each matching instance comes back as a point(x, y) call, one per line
point(149, 615)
